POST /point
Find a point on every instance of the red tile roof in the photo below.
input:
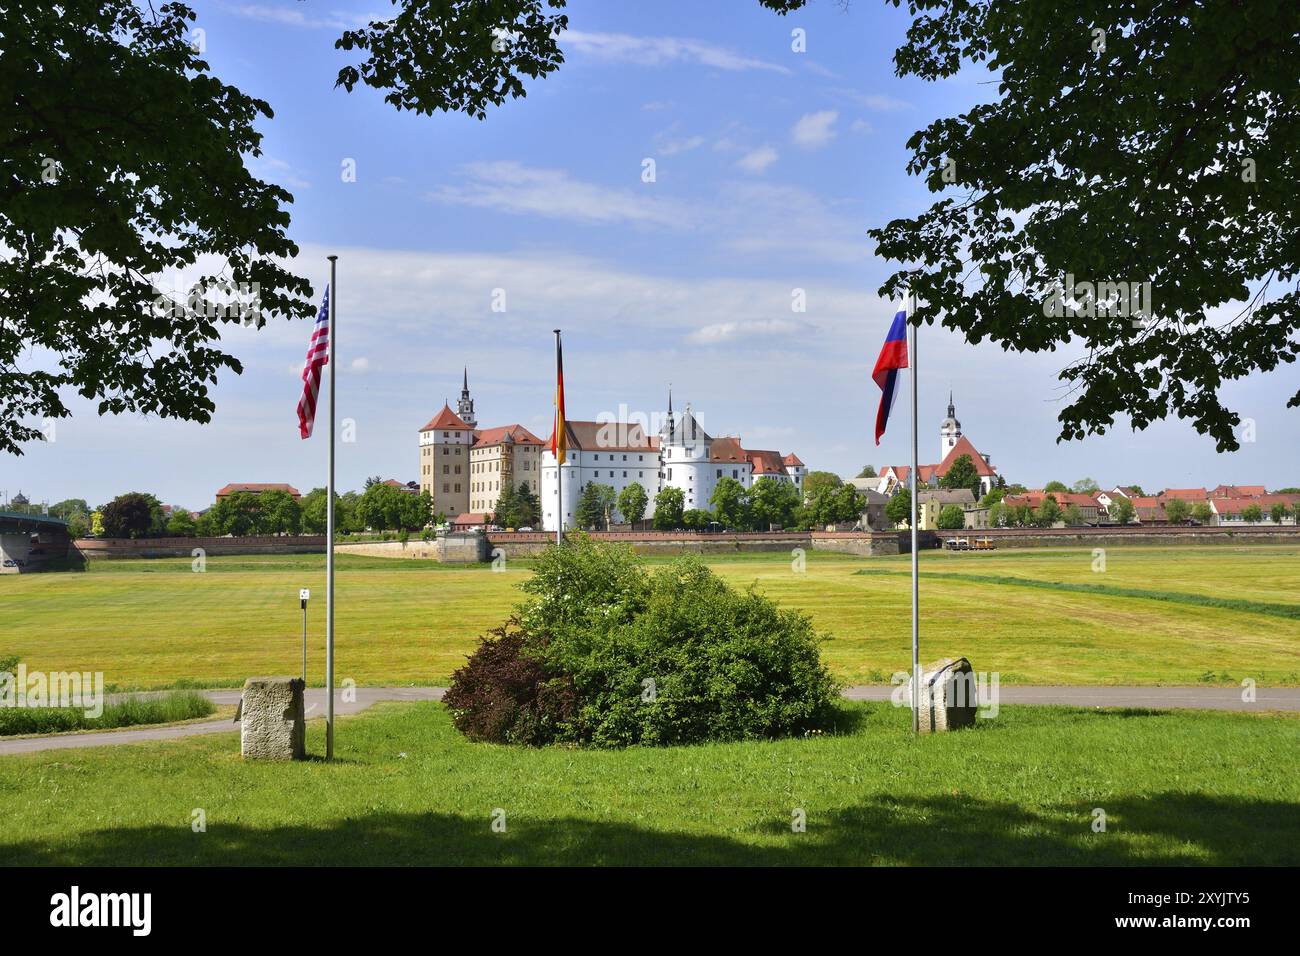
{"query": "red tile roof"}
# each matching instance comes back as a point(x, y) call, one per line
point(765, 462)
point(470, 518)
point(1238, 491)
point(607, 436)
point(256, 488)
point(1063, 498)
point(1186, 494)
point(903, 472)
point(1266, 502)
point(727, 449)
point(495, 436)
point(964, 447)
point(447, 420)
point(792, 460)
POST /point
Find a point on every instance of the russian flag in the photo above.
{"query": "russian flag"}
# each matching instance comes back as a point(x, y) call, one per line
point(892, 357)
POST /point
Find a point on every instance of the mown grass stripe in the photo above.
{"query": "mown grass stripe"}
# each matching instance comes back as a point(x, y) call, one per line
point(1291, 611)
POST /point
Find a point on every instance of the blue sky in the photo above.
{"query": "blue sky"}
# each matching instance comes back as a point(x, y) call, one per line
point(770, 165)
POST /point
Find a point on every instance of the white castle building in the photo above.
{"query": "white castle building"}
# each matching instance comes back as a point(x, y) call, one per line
point(682, 455)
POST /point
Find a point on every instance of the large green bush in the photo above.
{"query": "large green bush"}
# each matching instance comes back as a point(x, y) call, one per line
point(670, 657)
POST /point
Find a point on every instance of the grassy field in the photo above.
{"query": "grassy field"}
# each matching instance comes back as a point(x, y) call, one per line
point(1191, 788)
point(1150, 619)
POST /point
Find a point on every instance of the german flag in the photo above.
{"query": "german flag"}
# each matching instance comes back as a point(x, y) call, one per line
point(559, 441)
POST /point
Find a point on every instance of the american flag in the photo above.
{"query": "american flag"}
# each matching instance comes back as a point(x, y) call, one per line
point(317, 358)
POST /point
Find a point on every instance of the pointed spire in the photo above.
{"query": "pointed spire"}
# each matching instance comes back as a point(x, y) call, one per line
point(670, 427)
point(465, 406)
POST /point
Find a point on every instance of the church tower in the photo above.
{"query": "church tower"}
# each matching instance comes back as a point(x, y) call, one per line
point(949, 431)
point(465, 407)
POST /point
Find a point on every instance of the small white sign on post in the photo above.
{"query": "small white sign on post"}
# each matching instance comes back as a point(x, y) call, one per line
point(304, 595)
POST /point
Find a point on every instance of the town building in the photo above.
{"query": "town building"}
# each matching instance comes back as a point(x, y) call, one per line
point(255, 488)
point(464, 468)
point(1237, 491)
point(617, 454)
point(1190, 495)
point(444, 461)
point(930, 505)
point(506, 456)
point(1090, 508)
point(1232, 511)
point(952, 445)
point(683, 455)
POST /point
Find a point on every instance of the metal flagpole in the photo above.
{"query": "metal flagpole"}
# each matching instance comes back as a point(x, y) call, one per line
point(559, 439)
point(909, 304)
point(329, 530)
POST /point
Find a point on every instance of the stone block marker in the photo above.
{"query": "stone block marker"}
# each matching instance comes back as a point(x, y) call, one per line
point(273, 721)
point(948, 696)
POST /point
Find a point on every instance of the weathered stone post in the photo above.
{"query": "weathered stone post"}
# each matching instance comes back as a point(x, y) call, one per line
point(949, 697)
point(273, 721)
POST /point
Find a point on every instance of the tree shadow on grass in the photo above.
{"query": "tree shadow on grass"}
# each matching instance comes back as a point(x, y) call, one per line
point(1165, 829)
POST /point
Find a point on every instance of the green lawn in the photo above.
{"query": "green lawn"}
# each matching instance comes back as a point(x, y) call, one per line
point(156, 623)
point(1186, 788)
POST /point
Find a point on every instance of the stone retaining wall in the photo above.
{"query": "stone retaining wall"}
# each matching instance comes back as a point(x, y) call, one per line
point(467, 548)
point(184, 547)
point(453, 549)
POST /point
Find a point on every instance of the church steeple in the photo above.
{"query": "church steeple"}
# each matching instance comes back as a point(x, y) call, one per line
point(465, 407)
point(949, 431)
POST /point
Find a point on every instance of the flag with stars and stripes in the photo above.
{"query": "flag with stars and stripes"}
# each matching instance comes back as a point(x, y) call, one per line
point(317, 358)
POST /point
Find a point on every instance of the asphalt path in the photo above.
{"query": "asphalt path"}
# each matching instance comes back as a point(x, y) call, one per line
point(1152, 698)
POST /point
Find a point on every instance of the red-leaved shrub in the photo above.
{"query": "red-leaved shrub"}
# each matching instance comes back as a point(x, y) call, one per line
point(503, 695)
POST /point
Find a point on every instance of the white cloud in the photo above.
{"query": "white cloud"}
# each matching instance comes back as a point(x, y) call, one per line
point(674, 146)
point(510, 186)
point(758, 219)
point(658, 51)
point(758, 160)
point(276, 170)
point(814, 130)
point(879, 102)
point(360, 364)
point(731, 331)
point(293, 15)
